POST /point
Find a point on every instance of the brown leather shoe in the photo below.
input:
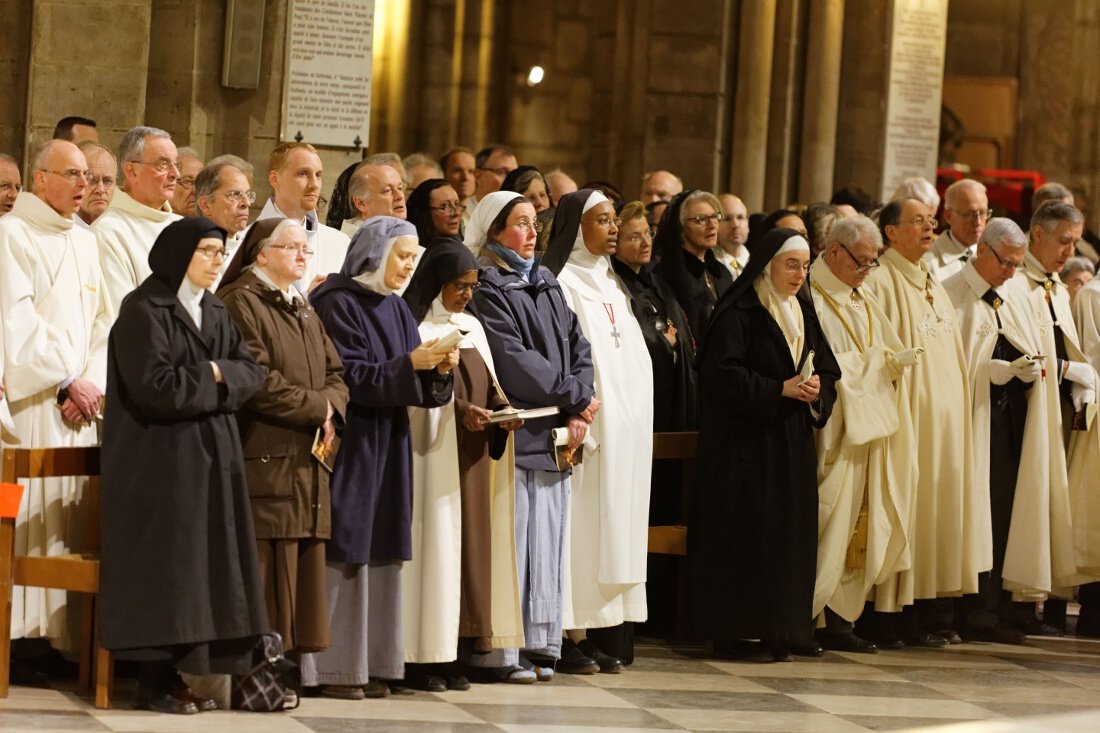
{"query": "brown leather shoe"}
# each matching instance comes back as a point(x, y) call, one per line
point(162, 702)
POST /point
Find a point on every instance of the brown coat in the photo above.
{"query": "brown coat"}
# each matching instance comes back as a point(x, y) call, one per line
point(288, 487)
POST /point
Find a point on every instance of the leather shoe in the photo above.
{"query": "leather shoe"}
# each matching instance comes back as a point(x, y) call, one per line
point(182, 691)
point(924, 639)
point(574, 661)
point(1032, 626)
point(608, 664)
point(162, 702)
point(847, 642)
point(426, 683)
point(342, 692)
point(813, 649)
point(375, 690)
point(950, 635)
point(885, 640)
point(458, 683)
point(999, 634)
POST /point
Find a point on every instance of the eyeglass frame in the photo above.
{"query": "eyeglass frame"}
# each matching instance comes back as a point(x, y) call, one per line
point(235, 195)
point(209, 251)
point(15, 187)
point(920, 221)
point(523, 225)
point(69, 174)
point(450, 208)
point(605, 222)
point(645, 234)
point(859, 266)
point(1004, 265)
point(701, 220)
point(305, 252)
point(973, 215)
point(461, 287)
point(160, 165)
point(94, 180)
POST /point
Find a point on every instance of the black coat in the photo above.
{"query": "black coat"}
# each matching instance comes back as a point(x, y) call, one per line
point(752, 538)
point(675, 399)
point(179, 565)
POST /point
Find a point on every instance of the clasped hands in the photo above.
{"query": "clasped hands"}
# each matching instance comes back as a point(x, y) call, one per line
point(802, 390)
point(1026, 369)
point(83, 402)
point(426, 356)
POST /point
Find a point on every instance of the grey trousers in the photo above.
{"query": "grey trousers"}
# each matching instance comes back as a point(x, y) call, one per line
point(364, 606)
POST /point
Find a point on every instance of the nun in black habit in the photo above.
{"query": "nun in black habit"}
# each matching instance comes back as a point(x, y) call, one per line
point(180, 585)
point(696, 283)
point(752, 549)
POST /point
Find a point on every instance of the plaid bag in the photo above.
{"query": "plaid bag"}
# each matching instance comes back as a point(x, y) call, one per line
point(264, 689)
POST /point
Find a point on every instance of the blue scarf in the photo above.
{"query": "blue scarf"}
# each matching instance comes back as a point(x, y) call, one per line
point(521, 266)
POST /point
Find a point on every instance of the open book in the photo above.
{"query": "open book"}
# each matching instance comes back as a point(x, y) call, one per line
point(511, 413)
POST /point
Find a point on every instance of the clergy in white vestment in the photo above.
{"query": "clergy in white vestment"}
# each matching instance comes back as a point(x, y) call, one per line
point(966, 210)
point(138, 211)
point(55, 325)
point(462, 580)
point(949, 534)
point(374, 190)
point(867, 469)
point(102, 179)
point(1055, 229)
point(295, 173)
point(1019, 458)
point(606, 553)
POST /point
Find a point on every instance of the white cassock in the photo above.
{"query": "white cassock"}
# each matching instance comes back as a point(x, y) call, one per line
point(125, 233)
point(1039, 552)
point(947, 256)
point(867, 467)
point(1083, 447)
point(330, 246)
point(734, 263)
point(432, 580)
point(951, 536)
point(55, 325)
point(606, 553)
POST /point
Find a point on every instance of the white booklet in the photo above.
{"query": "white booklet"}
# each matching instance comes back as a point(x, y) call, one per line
point(808, 366)
point(511, 413)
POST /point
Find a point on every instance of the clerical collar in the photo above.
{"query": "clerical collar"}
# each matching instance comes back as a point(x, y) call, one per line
point(965, 253)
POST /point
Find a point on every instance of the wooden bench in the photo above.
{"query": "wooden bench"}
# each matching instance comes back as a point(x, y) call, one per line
point(76, 572)
point(672, 539)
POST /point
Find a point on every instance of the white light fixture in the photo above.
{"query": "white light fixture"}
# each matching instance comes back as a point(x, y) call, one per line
point(535, 76)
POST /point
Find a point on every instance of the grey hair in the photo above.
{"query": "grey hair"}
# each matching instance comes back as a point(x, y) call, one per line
point(415, 159)
point(1049, 214)
point(850, 231)
point(186, 152)
point(5, 158)
point(1050, 191)
point(132, 146)
point(361, 185)
point(277, 233)
point(209, 178)
point(237, 162)
point(1003, 232)
point(920, 189)
point(707, 196)
point(1077, 264)
point(393, 160)
point(953, 191)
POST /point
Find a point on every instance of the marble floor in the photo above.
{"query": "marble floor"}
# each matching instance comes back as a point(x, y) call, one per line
point(969, 688)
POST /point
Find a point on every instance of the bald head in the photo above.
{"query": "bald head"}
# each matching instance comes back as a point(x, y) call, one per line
point(377, 190)
point(59, 176)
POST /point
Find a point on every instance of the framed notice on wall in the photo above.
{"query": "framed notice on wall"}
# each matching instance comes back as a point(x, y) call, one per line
point(326, 87)
point(915, 87)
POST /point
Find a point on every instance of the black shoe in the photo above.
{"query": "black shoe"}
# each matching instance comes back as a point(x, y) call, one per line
point(574, 661)
point(885, 640)
point(426, 683)
point(607, 663)
point(813, 649)
point(162, 702)
point(1032, 626)
point(458, 683)
point(950, 635)
point(923, 639)
point(847, 642)
point(999, 634)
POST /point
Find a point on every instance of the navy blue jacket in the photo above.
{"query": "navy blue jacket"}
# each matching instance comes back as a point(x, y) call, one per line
point(540, 355)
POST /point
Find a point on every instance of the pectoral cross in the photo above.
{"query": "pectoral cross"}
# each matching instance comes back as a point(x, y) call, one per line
point(615, 334)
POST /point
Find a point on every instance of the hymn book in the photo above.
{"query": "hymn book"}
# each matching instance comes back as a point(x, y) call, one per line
point(324, 452)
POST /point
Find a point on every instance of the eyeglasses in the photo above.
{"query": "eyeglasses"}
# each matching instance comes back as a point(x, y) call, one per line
point(974, 215)
point(462, 287)
point(10, 188)
point(860, 267)
point(94, 180)
point(450, 207)
point(298, 251)
point(605, 222)
point(639, 237)
point(72, 175)
point(523, 225)
point(162, 165)
point(922, 221)
point(702, 220)
point(186, 182)
point(211, 251)
point(237, 197)
point(795, 266)
point(1005, 265)
point(502, 172)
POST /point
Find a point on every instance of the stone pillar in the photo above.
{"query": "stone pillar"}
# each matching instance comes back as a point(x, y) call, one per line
point(820, 101)
point(752, 102)
point(74, 71)
point(15, 51)
point(785, 104)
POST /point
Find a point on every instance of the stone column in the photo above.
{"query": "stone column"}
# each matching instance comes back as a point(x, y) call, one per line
point(820, 101)
point(74, 71)
point(752, 102)
point(785, 104)
point(15, 42)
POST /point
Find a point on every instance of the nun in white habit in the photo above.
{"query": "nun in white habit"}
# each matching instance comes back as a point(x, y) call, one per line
point(606, 551)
